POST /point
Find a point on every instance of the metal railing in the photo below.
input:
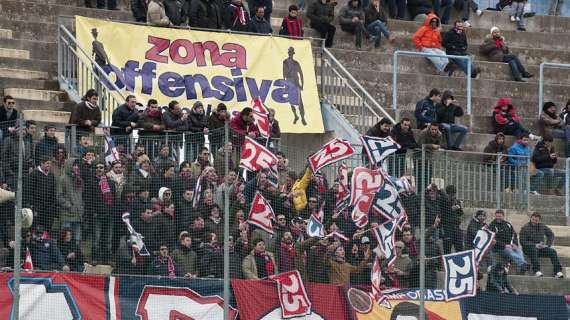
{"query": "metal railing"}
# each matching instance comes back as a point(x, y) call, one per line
point(340, 88)
point(543, 66)
point(427, 55)
point(77, 72)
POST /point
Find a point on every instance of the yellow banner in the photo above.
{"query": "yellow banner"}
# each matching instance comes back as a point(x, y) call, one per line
point(186, 66)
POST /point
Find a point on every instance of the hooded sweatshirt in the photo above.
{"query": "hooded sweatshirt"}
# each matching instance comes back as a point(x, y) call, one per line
point(502, 118)
point(495, 147)
point(426, 36)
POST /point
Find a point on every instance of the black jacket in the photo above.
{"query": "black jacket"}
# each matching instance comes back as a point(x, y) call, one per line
point(231, 20)
point(455, 43)
point(474, 226)
point(197, 122)
point(541, 156)
point(6, 121)
point(504, 234)
point(416, 7)
point(531, 235)
point(260, 26)
point(319, 13)
point(205, 14)
point(175, 11)
point(405, 139)
point(122, 118)
point(447, 114)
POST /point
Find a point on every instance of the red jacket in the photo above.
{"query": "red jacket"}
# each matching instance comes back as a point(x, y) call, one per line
point(502, 117)
point(240, 127)
point(426, 37)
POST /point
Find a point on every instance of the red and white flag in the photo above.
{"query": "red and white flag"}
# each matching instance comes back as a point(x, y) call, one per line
point(337, 235)
point(28, 265)
point(258, 106)
point(365, 181)
point(262, 122)
point(255, 156)
point(343, 193)
point(292, 295)
point(335, 150)
point(261, 213)
point(376, 278)
point(361, 209)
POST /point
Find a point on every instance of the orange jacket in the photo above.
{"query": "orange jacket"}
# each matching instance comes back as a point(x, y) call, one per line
point(426, 37)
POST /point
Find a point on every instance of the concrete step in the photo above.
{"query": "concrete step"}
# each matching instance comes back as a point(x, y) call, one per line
point(14, 53)
point(5, 34)
point(35, 94)
point(9, 82)
point(50, 67)
point(23, 74)
point(69, 3)
point(47, 116)
point(49, 12)
point(27, 104)
point(37, 49)
point(30, 30)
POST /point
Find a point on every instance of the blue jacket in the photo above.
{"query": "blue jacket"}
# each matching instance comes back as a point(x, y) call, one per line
point(425, 112)
point(517, 149)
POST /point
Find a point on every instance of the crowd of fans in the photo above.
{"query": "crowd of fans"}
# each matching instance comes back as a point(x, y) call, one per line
point(78, 204)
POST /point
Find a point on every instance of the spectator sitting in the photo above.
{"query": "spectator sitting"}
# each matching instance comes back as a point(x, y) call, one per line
point(402, 265)
point(152, 119)
point(555, 125)
point(351, 18)
point(519, 154)
point(321, 15)
point(156, 14)
point(517, 13)
point(431, 137)
point(506, 120)
point(236, 17)
point(536, 239)
point(465, 5)
point(498, 280)
point(86, 114)
point(340, 269)
point(259, 264)
point(258, 23)
point(163, 265)
point(205, 14)
point(292, 25)
point(174, 118)
point(455, 43)
point(544, 158)
point(428, 40)
point(447, 110)
point(125, 117)
point(381, 129)
point(376, 21)
point(506, 242)
point(45, 253)
point(426, 111)
point(496, 146)
point(477, 223)
point(495, 48)
point(70, 251)
point(419, 9)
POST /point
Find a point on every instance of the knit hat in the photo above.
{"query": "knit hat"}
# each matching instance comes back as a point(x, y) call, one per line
point(493, 29)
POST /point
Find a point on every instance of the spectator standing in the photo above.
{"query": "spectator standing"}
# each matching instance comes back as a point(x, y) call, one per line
point(258, 22)
point(340, 269)
point(292, 25)
point(404, 136)
point(477, 223)
point(402, 266)
point(176, 12)
point(419, 9)
point(351, 19)
point(466, 6)
point(448, 4)
point(381, 129)
point(86, 114)
point(174, 118)
point(259, 264)
point(519, 155)
point(446, 111)
point(426, 111)
point(243, 125)
point(274, 129)
point(8, 117)
point(451, 220)
point(236, 17)
point(125, 117)
point(555, 125)
point(397, 9)
point(287, 252)
point(321, 15)
point(536, 240)
point(428, 40)
point(432, 138)
point(197, 123)
point(46, 148)
point(205, 14)
point(544, 158)
point(213, 260)
point(507, 243)
point(10, 149)
point(40, 195)
point(163, 264)
point(156, 14)
point(495, 48)
point(267, 6)
point(139, 9)
point(455, 43)
point(498, 280)
point(507, 121)
point(376, 21)
point(70, 188)
point(152, 125)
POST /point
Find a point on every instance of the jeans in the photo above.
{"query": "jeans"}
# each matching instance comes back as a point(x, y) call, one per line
point(563, 134)
point(520, 173)
point(465, 6)
point(356, 28)
point(555, 177)
point(452, 128)
point(517, 9)
point(397, 9)
point(515, 256)
point(437, 4)
point(301, 4)
point(377, 29)
point(534, 253)
point(517, 69)
point(438, 62)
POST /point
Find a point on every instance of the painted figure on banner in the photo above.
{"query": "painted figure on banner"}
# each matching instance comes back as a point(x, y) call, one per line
point(293, 73)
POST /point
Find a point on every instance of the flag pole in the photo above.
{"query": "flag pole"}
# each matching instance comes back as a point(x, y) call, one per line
point(18, 222)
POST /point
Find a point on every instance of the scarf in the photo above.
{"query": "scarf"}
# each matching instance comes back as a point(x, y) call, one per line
point(77, 181)
point(105, 191)
point(119, 179)
point(90, 106)
point(144, 173)
point(499, 42)
point(239, 13)
point(45, 173)
point(412, 251)
point(170, 266)
point(269, 268)
point(153, 113)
